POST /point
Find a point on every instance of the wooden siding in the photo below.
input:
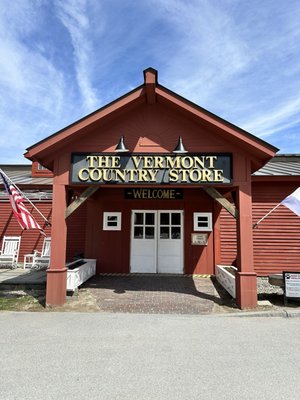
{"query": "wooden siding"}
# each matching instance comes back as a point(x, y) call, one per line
point(76, 223)
point(30, 239)
point(112, 248)
point(276, 240)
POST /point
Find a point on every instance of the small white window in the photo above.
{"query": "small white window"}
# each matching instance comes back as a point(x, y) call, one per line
point(202, 221)
point(112, 221)
point(41, 167)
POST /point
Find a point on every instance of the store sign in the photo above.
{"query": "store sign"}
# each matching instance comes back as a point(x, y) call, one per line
point(153, 194)
point(292, 285)
point(131, 169)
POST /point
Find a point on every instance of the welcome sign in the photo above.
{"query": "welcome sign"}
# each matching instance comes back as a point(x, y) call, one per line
point(104, 168)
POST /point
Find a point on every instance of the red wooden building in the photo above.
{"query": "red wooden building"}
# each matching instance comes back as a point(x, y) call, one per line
point(150, 203)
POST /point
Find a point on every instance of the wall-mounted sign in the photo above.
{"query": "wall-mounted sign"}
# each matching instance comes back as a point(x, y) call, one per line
point(131, 169)
point(291, 285)
point(199, 239)
point(153, 194)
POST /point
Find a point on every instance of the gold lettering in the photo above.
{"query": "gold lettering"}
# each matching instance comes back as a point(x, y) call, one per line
point(183, 173)
point(172, 162)
point(142, 175)
point(172, 194)
point(206, 175)
point(199, 161)
point(107, 175)
point(83, 175)
point(136, 161)
point(131, 173)
point(95, 175)
point(195, 175)
point(159, 194)
point(115, 162)
point(103, 161)
point(148, 161)
point(218, 175)
point(91, 160)
point(211, 161)
point(173, 175)
point(120, 174)
point(137, 193)
point(187, 162)
point(158, 162)
point(153, 174)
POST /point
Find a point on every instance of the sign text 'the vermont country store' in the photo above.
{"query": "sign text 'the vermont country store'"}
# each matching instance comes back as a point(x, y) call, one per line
point(154, 169)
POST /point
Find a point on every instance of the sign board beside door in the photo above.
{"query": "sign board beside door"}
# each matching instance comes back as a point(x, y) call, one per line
point(199, 239)
point(291, 282)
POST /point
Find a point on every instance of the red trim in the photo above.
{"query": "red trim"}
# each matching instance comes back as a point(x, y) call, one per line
point(40, 173)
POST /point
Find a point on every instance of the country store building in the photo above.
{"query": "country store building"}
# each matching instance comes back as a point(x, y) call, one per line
point(152, 183)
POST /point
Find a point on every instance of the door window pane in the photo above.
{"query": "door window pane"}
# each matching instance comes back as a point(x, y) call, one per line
point(149, 232)
point(164, 218)
point(175, 219)
point(138, 232)
point(149, 218)
point(164, 232)
point(175, 232)
point(138, 219)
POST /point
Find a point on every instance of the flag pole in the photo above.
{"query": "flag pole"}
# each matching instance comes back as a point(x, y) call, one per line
point(8, 178)
point(265, 216)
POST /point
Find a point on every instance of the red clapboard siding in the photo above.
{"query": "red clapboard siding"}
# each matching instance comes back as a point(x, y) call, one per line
point(30, 239)
point(76, 223)
point(276, 239)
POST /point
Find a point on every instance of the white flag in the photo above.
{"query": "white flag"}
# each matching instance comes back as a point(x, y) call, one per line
point(293, 201)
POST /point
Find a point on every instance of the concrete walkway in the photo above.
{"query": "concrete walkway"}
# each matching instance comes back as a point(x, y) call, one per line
point(19, 277)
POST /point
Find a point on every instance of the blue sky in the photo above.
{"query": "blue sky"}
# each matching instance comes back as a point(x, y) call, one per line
point(62, 59)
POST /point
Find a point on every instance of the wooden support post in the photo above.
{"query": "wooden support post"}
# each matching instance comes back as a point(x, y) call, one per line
point(57, 272)
point(217, 234)
point(246, 289)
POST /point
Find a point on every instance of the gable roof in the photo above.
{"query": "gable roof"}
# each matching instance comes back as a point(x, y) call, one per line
point(151, 92)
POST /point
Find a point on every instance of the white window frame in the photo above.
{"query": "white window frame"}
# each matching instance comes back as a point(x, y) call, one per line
point(207, 228)
point(40, 167)
point(106, 226)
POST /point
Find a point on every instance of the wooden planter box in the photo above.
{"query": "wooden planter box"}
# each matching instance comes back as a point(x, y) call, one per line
point(226, 277)
point(80, 271)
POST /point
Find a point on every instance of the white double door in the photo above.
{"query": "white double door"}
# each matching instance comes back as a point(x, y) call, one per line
point(157, 241)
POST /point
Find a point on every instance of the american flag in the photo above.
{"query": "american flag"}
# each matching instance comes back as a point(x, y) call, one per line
point(23, 216)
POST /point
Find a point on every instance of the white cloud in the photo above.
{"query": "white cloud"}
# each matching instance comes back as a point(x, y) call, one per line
point(26, 76)
point(283, 117)
point(62, 59)
point(74, 17)
point(32, 88)
point(209, 50)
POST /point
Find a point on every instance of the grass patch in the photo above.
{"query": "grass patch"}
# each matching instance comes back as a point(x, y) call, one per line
point(16, 301)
